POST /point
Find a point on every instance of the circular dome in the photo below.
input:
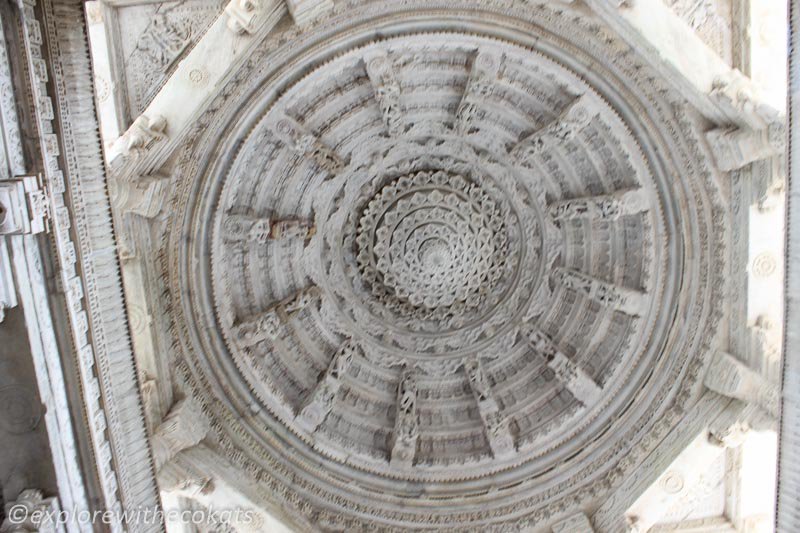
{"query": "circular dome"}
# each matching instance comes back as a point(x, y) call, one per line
point(442, 264)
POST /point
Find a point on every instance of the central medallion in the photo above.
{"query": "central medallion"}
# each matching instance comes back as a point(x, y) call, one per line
point(433, 241)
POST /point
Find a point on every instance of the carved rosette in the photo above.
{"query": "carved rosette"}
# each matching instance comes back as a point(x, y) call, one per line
point(463, 192)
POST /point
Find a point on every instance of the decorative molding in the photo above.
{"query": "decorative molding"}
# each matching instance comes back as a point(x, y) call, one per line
point(89, 266)
point(496, 425)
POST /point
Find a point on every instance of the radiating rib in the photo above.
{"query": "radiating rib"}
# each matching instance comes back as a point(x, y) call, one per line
point(602, 207)
point(320, 404)
point(387, 90)
point(245, 228)
point(498, 433)
point(406, 424)
point(629, 301)
point(577, 116)
point(298, 139)
point(480, 85)
point(267, 326)
point(577, 382)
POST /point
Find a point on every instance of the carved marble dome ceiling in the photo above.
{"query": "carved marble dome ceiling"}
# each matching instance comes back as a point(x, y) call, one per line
point(426, 265)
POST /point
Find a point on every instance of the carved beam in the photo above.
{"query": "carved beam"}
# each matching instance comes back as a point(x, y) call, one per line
point(304, 11)
point(194, 82)
point(602, 207)
point(266, 326)
point(183, 427)
point(313, 414)
point(406, 424)
point(572, 120)
point(623, 299)
point(730, 377)
point(480, 85)
point(387, 90)
point(295, 136)
point(576, 523)
point(577, 382)
point(243, 228)
point(498, 433)
point(737, 147)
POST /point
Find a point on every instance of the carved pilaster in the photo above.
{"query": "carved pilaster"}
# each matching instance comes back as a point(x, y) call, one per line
point(572, 120)
point(406, 425)
point(481, 84)
point(320, 404)
point(623, 299)
point(183, 427)
point(728, 376)
point(387, 90)
point(496, 425)
point(32, 513)
point(604, 207)
point(299, 140)
point(577, 382)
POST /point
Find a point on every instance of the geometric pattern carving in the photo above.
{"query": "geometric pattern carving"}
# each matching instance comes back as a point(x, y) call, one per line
point(433, 179)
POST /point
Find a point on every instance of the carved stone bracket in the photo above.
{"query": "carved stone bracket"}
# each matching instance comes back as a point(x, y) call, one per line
point(267, 325)
point(243, 228)
point(298, 139)
point(320, 404)
point(143, 195)
point(577, 382)
point(496, 425)
point(183, 427)
point(623, 299)
point(572, 120)
point(481, 85)
point(733, 148)
point(603, 207)
point(387, 90)
point(728, 376)
point(144, 132)
point(406, 425)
